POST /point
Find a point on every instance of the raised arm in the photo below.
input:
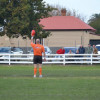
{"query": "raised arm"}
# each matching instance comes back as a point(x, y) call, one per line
point(32, 35)
point(32, 38)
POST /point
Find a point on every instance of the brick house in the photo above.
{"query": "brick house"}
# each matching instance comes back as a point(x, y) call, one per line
point(67, 31)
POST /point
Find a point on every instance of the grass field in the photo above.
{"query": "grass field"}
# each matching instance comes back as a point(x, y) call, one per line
point(70, 82)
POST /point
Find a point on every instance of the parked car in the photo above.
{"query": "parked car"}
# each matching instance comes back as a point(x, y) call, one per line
point(17, 53)
point(10, 50)
point(47, 50)
point(4, 50)
point(98, 47)
point(16, 50)
point(73, 49)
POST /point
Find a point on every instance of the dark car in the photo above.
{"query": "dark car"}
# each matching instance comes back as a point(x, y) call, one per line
point(5, 51)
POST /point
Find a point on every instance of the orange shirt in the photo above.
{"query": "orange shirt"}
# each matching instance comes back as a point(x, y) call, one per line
point(38, 49)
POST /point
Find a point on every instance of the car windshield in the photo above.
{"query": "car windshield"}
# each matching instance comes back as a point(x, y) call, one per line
point(72, 49)
point(98, 47)
point(5, 50)
point(16, 49)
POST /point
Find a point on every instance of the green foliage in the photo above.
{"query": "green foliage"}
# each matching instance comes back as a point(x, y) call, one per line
point(19, 17)
point(95, 22)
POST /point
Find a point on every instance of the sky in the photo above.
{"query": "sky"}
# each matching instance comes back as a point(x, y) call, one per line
point(84, 7)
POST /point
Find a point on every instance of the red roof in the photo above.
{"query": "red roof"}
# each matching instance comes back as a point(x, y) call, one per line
point(64, 23)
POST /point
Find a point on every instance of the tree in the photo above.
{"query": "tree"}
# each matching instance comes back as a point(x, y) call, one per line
point(94, 21)
point(56, 11)
point(19, 17)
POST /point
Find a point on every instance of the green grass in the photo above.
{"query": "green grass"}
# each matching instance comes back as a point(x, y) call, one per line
point(70, 82)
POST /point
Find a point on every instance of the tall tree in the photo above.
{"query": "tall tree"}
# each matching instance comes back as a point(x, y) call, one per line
point(19, 17)
point(57, 12)
point(94, 21)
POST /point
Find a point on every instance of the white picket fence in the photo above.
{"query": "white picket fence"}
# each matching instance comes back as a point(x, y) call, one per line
point(51, 59)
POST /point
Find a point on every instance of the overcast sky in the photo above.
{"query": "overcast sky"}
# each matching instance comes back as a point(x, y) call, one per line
point(84, 7)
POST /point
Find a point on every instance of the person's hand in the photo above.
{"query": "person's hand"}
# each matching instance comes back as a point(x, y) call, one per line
point(32, 37)
point(44, 59)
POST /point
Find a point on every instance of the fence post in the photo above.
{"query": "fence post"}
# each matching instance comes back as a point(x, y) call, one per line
point(63, 59)
point(91, 59)
point(9, 59)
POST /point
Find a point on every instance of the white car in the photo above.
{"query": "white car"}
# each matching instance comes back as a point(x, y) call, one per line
point(98, 47)
point(47, 50)
point(16, 50)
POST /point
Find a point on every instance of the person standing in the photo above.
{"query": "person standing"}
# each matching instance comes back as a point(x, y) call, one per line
point(60, 51)
point(89, 50)
point(95, 50)
point(81, 50)
point(38, 50)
